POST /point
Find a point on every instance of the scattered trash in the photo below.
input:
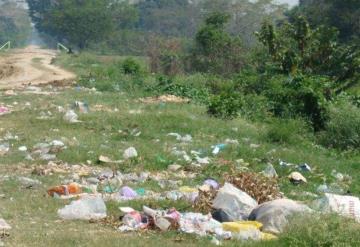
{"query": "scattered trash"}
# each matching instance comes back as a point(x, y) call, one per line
point(270, 171)
point(70, 189)
point(164, 99)
point(274, 214)
point(87, 208)
point(185, 138)
point(4, 148)
point(259, 187)
point(204, 199)
point(128, 193)
point(217, 148)
point(4, 225)
point(22, 149)
point(304, 168)
point(174, 167)
point(285, 164)
point(105, 159)
point(81, 106)
point(199, 224)
point(221, 216)
point(71, 117)
point(130, 153)
point(297, 178)
point(236, 203)
point(212, 183)
point(348, 206)
point(231, 141)
point(28, 182)
point(4, 110)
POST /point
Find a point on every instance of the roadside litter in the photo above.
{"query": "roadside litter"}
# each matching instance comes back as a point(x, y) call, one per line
point(234, 202)
point(274, 214)
point(348, 206)
point(4, 225)
point(87, 208)
point(164, 99)
point(71, 117)
point(4, 110)
point(297, 178)
point(4, 148)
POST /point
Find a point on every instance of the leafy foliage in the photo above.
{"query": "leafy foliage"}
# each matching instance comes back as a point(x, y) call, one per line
point(14, 25)
point(130, 66)
point(76, 22)
point(225, 105)
point(166, 85)
point(343, 128)
point(216, 51)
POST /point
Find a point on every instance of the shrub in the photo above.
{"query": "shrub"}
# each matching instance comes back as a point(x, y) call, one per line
point(299, 96)
point(286, 131)
point(130, 66)
point(343, 129)
point(225, 105)
point(167, 85)
point(320, 230)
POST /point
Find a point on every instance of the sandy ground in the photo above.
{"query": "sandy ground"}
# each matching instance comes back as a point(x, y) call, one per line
point(30, 66)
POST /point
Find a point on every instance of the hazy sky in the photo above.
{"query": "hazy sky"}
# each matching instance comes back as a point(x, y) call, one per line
point(290, 2)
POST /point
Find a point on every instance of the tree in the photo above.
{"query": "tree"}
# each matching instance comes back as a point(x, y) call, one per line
point(216, 51)
point(77, 22)
point(341, 14)
point(14, 24)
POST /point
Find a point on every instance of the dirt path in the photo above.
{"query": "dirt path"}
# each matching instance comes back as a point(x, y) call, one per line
point(30, 66)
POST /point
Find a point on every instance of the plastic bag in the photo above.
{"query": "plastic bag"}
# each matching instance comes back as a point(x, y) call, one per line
point(86, 208)
point(348, 206)
point(130, 153)
point(273, 215)
point(234, 202)
point(71, 117)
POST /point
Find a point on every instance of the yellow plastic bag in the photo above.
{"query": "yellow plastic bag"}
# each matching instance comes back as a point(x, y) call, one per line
point(268, 236)
point(241, 226)
point(187, 189)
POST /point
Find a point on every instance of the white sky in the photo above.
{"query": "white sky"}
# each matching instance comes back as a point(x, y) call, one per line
point(290, 2)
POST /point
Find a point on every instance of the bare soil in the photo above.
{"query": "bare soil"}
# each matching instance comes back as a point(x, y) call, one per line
point(31, 66)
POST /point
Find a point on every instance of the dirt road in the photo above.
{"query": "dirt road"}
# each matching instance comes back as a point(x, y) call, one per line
point(30, 66)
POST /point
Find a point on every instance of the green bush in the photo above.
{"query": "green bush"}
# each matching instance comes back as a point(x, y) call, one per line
point(130, 66)
point(167, 85)
point(286, 131)
point(343, 128)
point(225, 105)
point(324, 230)
point(299, 96)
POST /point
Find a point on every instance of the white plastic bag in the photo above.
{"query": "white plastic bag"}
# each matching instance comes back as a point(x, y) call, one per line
point(348, 206)
point(274, 214)
point(71, 117)
point(130, 153)
point(234, 202)
point(86, 208)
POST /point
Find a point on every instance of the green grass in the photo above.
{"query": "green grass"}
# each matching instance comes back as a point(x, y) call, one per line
point(33, 215)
